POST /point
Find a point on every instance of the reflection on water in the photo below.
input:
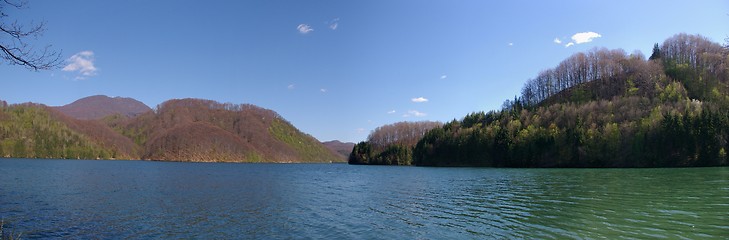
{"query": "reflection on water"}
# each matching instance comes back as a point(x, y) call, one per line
point(130, 199)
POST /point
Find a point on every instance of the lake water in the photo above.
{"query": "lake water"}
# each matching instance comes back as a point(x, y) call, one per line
point(138, 199)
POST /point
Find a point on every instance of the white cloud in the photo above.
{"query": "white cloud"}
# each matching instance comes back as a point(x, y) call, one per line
point(334, 24)
point(414, 113)
point(391, 112)
point(570, 44)
point(511, 44)
point(323, 90)
point(304, 28)
point(443, 76)
point(557, 41)
point(291, 86)
point(359, 130)
point(83, 63)
point(419, 100)
point(585, 37)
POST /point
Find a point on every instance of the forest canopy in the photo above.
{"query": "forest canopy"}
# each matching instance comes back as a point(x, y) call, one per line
point(601, 108)
point(391, 144)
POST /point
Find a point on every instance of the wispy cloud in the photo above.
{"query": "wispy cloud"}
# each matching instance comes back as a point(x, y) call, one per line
point(323, 90)
point(570, 44)
point(83, 63)
point(391, 112)
point(304, 28)
point(419, 100)
point(585, 37)
point(443, 76)
point(511, 44)
point(359, 130)
point(557, 41)
point(334, 24)
point(291, 86)
point(414, 113)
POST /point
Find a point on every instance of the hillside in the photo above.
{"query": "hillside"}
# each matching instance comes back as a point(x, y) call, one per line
point(204, 130)
point(341, 148)
point(391, 144)
point(179, 130)
point(100, 106)
point(603, 108)
point(37, 131)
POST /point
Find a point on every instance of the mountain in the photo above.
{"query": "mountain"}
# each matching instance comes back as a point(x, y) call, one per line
point(601, 108)
point(38, 131)
point(100, 106)
point(342, 148)
point(204, 130)
point(180, 130)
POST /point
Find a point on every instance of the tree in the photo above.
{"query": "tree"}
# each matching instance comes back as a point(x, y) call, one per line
point(15, 38)
point(656, 52)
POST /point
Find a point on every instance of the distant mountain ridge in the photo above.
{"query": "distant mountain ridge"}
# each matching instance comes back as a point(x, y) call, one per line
point(100, 106)
point(195, 130)
point(342, 148)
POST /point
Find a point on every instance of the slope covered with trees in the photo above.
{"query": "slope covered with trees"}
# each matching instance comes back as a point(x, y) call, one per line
point(341, 148)
point(204, 130)
point(36, 131)
point(391, 144)
point(603, 108)
point(178, 130)
point(100, 106)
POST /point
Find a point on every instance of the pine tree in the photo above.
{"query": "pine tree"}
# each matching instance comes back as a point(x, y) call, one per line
point(656, 52)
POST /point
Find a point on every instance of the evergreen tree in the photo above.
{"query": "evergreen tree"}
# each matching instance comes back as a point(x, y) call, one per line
point(656, 52)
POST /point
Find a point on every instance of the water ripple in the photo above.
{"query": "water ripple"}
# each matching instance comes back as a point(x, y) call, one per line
point(93, 199)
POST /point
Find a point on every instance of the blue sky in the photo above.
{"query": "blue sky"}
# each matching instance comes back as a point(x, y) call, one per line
point(335, 69)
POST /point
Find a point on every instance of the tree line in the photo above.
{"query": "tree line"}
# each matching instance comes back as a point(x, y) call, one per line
point(391, 144)
point(32, 131)
point(603, 108)
point(179, 130)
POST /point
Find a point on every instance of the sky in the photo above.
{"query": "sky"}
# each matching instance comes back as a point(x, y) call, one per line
point(334, 69)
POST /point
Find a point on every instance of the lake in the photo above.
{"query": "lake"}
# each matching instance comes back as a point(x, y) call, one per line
point(83, 199)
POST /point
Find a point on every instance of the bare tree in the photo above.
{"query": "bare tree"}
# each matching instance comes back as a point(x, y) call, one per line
point(401, 133)
point(15, 40)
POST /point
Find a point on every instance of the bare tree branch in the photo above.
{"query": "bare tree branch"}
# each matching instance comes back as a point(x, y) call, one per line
point(14, 38)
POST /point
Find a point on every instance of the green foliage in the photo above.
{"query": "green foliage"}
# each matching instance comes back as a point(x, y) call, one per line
point(674, 91)
point(363, 154)
point(678, 119)
point(632, 89)
point(580, 95)
point(254, 158)
point(29, 131)
point(656, 52)
point(306, 146)
point(393, 144)
point(656, 137)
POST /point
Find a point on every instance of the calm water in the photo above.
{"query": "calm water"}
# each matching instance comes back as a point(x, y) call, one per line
point(135, 199)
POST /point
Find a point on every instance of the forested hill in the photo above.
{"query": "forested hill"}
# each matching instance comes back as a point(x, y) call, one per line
point(602, 108)
point(178, 130)
point(391, 144)
point(341, 148)
point(37, 131)
point(100, 106)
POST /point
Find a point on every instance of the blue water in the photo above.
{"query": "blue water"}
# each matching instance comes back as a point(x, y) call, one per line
point(139, 199)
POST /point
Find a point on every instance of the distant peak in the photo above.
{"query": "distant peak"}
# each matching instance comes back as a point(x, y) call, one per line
point(100, 106)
